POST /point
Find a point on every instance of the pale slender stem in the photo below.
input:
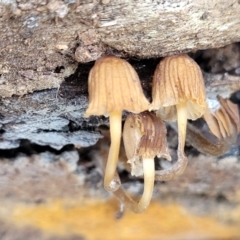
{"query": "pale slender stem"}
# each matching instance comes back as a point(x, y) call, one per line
point(111, 183)
point(182, 125)
point(178, 167)
point(149, 175)
point(139, 207)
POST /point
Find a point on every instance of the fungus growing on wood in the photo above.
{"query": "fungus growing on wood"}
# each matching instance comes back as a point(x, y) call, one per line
point(178, 94)
point(114, 86)
point(224, 123)
point(144, 137)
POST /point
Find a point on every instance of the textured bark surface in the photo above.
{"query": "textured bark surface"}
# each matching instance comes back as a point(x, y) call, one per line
point(41, 40)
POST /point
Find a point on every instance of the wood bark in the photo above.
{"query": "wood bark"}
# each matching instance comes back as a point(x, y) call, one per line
point(42, 43)
point(40, 38)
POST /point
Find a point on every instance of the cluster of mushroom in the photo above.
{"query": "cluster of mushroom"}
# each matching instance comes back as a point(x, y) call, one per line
point(178, 93)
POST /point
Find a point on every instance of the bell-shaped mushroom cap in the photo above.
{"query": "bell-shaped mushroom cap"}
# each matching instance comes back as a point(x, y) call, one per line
point(178, 79)
point(144, 136)
point(114, 85)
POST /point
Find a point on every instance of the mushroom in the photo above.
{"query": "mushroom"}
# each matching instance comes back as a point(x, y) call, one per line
point(114, 86)
point(178, 94)
point(144, 137)
point(224, 124)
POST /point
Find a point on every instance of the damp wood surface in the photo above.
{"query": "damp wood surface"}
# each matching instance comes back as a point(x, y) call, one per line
point(42, 41)
point(48, 47)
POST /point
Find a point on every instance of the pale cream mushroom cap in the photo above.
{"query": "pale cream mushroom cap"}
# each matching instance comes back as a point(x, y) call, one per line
point(114, 85)
point(178, 79)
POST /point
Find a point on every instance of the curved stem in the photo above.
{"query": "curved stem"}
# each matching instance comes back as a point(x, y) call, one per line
point(176, 170)
point(139, 207)
point(149, 174)
point(111, 180)
point(217, 148)
point(179, 167)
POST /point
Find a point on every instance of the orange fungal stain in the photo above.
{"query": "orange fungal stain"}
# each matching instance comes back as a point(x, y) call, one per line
point(96, 221)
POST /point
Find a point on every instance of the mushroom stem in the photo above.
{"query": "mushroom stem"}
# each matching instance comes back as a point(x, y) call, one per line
point(112, 181)
point(176, 170)
point(179, 167)
point(139, 207)
point(149, 175)
point(204, 145)
point(182, 125)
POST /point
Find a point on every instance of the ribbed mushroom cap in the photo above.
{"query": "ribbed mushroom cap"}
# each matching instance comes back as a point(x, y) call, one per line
point(144, 136)
point(225, 121)
point(178, 79)
point(114, 85)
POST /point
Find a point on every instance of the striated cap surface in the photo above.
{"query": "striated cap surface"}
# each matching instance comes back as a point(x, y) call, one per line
point(178, 79)
point(225, 121)
point(114, 85)
point(144, 136)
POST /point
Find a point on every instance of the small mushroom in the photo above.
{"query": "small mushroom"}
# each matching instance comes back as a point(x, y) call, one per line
point(114, 86)
point(178, 94)
point(224, 123)
point(144, 137)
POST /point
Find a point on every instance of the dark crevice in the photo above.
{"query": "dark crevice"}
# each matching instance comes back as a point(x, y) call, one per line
point(77, 83)
point(59, 69)
point(2, 131)
point(220, 198)
point(219, 60)
point(72, 126)
point(28, 148)
point(191, 151)
point(235, 98)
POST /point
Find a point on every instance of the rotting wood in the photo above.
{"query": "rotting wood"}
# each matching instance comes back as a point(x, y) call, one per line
point(55, 117)
point(40, 38)
point(42, 43)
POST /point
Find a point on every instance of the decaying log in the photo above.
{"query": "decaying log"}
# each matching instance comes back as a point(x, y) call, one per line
point(41, 40)
point(42, 43)
point(55, 117)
